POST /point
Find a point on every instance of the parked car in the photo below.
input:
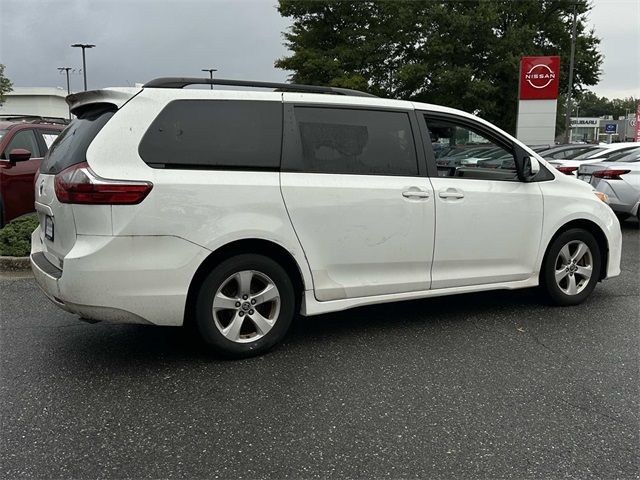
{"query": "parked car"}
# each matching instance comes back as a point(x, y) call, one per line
point(566, 151)
point(234, 210)
point(619, 180)
point(561, 151)
point(570, 164)
point(24, 140)
point(541, 148)
point(449, 161)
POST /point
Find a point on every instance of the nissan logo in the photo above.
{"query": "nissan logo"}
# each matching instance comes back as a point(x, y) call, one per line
point(540, 76)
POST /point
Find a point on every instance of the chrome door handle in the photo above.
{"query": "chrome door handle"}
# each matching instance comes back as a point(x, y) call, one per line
point(450, 194)
point(415, 194)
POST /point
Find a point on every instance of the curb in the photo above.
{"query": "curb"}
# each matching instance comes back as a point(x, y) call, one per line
point(14, 264)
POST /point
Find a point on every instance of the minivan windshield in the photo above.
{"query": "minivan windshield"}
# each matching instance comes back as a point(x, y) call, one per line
point(70, 148)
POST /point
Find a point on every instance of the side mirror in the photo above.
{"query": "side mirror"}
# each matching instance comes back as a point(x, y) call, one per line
point(19, 155)
point(535, 165)
point(525, 172)
point(527, 166)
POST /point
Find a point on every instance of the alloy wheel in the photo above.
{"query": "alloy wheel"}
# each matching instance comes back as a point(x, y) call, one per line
point(573, 267)
point(246, 306)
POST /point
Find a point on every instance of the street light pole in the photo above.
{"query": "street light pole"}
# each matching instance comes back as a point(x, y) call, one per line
point(66, 70)
point(83, 46)
point(567, 120)
point(210, 70)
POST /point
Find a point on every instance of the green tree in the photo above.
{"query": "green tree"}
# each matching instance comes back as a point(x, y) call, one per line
point(459, 53)
point(5, 84)
point(588, 104)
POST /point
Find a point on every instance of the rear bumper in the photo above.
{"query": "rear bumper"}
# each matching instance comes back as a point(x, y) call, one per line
point(142, 279)
point(623, 198)
point(46, 274)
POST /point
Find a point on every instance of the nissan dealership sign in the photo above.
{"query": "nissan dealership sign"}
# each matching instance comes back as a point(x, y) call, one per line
point(539, 78)
point(538, 99)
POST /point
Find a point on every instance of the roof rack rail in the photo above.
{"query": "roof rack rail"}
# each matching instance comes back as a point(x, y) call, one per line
point(181, 82)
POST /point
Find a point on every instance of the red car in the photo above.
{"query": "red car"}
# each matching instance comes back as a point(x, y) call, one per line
point(23, 143)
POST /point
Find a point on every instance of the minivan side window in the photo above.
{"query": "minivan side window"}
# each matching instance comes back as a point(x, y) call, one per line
point(351, 141)
point(215, 134)
point(463, 152)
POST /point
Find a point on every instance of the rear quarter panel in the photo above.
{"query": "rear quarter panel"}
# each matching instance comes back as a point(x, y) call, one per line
point(209, 208)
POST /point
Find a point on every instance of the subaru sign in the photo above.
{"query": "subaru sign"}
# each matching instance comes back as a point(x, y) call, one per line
point(582, 122)
point(610, 128)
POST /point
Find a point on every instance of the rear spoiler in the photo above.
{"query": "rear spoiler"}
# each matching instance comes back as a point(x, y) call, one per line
point(112, 96)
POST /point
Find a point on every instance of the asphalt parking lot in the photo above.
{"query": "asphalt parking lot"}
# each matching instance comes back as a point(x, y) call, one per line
point(492, 385)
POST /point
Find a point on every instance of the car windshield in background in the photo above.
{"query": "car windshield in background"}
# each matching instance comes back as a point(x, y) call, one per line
point(566, 151)
point(627, 156)
point(541, 148)
point(548, 151)
point(70, 148)
point(2, 132)
point(616, 153)
point(588, 154)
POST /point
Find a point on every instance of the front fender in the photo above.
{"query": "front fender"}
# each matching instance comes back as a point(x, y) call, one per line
point(569, 201)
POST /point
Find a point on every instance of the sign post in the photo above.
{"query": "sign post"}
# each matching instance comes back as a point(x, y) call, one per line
point(610, 129)
point(538, 99)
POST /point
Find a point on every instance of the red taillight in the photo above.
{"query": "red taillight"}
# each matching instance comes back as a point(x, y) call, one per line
point(78, 184)
point(567, 170)
point(610, 174)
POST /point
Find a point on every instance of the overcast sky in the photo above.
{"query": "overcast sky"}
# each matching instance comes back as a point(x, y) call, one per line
point(137, 40)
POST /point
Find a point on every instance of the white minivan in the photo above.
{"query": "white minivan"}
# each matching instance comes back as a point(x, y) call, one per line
point(234, 210)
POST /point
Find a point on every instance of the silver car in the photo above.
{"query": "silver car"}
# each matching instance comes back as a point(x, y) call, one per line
point(619, 180)
point(603, 152)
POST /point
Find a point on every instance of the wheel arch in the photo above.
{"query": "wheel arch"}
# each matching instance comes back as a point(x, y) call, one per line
point(256, 246)
point(590, 227)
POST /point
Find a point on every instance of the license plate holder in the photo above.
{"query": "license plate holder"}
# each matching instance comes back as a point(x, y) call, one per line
point(48, 228)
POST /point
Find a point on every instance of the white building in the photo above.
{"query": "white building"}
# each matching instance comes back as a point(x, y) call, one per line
point(42, 101)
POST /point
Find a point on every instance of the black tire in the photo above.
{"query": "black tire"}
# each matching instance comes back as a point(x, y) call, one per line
point(550, 287)
point(219, 277)
point(622, 216)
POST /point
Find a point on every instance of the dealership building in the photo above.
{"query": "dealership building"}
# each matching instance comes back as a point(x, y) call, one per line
point(40, 101)
point(594, 129)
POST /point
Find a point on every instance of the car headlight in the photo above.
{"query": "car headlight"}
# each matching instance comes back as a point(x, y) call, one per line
point(602, 196)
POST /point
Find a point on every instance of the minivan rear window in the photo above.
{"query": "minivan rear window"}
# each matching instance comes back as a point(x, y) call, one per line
point(70, 148)
point(215, 134)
